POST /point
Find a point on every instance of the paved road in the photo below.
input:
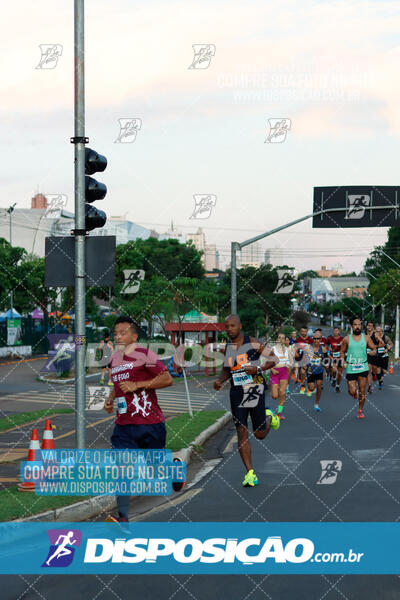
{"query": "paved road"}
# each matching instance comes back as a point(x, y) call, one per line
point(288, 463)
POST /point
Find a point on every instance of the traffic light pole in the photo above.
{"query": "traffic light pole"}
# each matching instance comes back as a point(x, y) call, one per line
point(237, 246)
point(79, 142)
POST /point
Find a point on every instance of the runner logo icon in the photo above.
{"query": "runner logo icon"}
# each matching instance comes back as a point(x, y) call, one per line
point(330, 470)
point(63, 543)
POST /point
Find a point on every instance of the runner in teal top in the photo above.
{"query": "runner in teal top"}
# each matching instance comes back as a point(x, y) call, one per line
point(354, 355)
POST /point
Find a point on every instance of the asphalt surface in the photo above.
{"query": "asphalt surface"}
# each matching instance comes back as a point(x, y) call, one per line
point(288, 465)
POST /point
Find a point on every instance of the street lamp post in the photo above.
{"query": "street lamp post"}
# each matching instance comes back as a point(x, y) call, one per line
point(10, 211)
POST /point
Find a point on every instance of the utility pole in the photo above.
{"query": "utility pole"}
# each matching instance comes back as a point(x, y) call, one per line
point(79, 142)
point(396, 343)
point(10, 210)
point(382, 316)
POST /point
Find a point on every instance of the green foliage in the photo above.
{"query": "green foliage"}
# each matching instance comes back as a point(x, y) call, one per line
point(24, 274)
point(109, 322)
point(301, 318)
point(258, 305)
point(384, 258)
point(386, 289)
point(309, 273)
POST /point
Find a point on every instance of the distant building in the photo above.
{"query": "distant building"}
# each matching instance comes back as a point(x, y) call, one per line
point(324, 272)
point(124, 230)
point(210, 257)
point(336, 288)
point(251, 255)
point(171, 234)
point(275, 257)
point(31, 226)
point(198, 239)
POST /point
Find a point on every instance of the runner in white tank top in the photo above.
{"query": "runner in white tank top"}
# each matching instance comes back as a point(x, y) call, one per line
point(280, 373)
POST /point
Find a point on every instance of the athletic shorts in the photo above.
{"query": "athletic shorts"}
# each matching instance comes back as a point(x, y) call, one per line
point(371, 359)
point(382, 362)
point(313, 377)
point(282, 375)
point(355, 376)
point(139, 436)
point(249, 402)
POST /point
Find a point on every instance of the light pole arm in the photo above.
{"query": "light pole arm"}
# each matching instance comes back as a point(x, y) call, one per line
point(235, 246)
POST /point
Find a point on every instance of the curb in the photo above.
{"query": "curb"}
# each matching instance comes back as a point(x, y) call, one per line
point(64, 381)
point(94, 506)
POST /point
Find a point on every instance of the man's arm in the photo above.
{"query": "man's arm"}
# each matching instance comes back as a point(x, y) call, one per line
point(343, 349)
point(224, 376)
point(389, 343)
point(109, 403)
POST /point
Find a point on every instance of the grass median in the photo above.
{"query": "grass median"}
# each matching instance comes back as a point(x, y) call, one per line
point(25, 418)
point(181, 431)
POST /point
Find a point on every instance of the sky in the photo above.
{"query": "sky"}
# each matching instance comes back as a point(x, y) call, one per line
point(328, 68)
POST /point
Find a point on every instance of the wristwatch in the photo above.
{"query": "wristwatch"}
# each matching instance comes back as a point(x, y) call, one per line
point(259, 370)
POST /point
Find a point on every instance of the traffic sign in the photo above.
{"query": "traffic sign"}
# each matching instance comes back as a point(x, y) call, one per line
point(362, 206)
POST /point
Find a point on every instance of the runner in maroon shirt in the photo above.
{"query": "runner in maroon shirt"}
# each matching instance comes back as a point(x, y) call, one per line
point(334, 345)
point(136, 374)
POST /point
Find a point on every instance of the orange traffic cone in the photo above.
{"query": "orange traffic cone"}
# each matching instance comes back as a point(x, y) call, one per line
point(34, 446)
point(48, 439)
point(391, 368)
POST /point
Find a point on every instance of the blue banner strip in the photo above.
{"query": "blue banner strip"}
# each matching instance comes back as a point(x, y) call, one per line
point(200, 548)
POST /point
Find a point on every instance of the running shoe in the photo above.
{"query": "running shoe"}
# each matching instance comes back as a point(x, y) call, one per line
point(250, 480)
point(369, 389)
point(380, 385)
point(101, 381)
point(110, 384)
point(275, 421)
point(309, 393)
point(317, 407)
point(302, 389)
point(337, 389)
point(333, 382)
point(112, 519)
point(279, 412)
point(177, 486)
point(122, 522)
point(360, 414)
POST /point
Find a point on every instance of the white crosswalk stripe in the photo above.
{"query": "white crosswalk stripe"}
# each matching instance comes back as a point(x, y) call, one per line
point(169, 401)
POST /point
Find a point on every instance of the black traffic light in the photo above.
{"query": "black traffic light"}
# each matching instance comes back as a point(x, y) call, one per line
point(94, 190)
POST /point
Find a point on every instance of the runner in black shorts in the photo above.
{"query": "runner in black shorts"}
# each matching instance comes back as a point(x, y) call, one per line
point(242, 367)
point(383, 345)
point(371, 358)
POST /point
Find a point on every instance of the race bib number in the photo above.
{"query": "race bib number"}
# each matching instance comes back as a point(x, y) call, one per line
point(357, 367)
point(336, 354)
point(381, 350)
point(315, 361)
point(121, 405)
point(241, 378)
point(252, 396)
